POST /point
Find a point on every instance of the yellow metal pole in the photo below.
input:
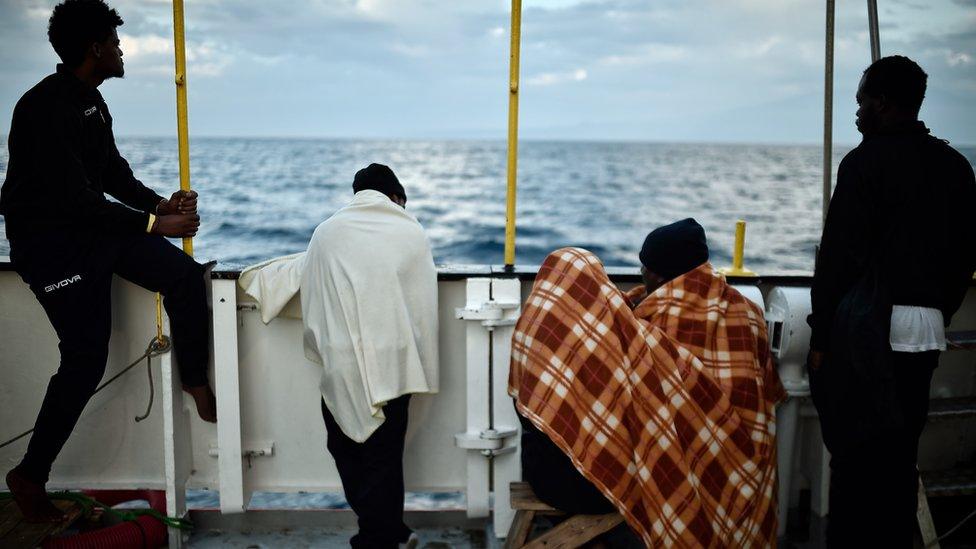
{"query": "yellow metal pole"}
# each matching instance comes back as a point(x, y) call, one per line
point(738, 252)
point(181, 119)
point(513, 97)
point(740, 244)
point(159, 318)
point(183, 138)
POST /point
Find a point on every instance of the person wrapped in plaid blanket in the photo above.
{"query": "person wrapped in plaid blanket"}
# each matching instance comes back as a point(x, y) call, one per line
point(663, 398)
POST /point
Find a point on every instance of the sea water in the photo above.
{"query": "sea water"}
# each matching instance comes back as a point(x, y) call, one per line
point(261, 198)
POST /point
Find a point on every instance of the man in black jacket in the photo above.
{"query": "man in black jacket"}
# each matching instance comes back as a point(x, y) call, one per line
point(67, 239)
point(896, 258)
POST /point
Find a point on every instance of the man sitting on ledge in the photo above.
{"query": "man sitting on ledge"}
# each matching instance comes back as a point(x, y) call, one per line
point(658, 403)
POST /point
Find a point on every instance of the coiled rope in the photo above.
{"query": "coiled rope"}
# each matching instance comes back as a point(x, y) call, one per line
point(157, 346)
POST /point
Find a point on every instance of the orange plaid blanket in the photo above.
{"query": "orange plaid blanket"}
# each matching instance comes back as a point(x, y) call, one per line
point(667, 408)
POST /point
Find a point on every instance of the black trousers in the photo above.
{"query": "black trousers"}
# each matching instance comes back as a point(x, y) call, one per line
point(874, 491)
point(372, 476)
point(554, 478)
point(71, 275)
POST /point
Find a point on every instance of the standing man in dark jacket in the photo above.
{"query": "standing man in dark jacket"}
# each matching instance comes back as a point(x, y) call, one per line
point(67, 239)
point(896, 258)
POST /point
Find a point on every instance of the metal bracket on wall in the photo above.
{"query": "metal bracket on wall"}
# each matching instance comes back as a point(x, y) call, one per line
point(491, 313)
point(489, 443)
point(252, 450)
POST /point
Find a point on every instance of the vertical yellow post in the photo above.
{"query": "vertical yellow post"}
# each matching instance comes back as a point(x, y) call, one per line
point(159, 318)
point(181, 119)
point(183, 138)
point(513, 97)
point(738, 252)
point(740, 245)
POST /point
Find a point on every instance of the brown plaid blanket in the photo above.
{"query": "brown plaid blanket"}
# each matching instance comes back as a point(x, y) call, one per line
point(667, 408)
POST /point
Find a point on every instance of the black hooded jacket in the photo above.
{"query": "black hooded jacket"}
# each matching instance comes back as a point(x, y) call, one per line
point(904, 205)
point(63, 160)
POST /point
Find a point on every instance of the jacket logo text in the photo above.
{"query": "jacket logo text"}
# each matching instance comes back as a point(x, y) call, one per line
point(62, 284)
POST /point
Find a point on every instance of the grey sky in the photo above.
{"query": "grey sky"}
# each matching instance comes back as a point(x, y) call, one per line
point(688, 70)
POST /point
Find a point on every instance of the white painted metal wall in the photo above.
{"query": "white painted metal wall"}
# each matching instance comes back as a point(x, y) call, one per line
point(108, 448)
point(279, 422)
point(275, 387)
point(462, 439)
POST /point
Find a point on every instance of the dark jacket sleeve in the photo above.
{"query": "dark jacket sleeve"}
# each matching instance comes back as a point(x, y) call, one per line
point(120, 182)
point(844, 248)
point(962, 259)
point(58, 132)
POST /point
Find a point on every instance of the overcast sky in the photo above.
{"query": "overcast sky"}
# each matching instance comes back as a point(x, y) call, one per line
point(662, 70)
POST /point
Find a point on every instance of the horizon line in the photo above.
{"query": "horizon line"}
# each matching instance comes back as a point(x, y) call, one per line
point(581, 140)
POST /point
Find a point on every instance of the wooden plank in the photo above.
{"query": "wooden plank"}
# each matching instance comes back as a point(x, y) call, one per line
point(952, 408)
point(522, 497)
point(9, 518)
point(961, 340)
point(952, 482)
point(930, 538)
point(520, 529)
point(576, 531)
point(27, 535)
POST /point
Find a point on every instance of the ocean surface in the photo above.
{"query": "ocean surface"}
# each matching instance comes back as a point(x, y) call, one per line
point(261, 198)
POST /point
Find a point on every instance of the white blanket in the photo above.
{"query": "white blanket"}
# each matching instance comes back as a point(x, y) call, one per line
point(275, 284)
point(369, 306)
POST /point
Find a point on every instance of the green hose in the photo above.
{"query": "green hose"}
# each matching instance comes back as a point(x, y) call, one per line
point(88, 503)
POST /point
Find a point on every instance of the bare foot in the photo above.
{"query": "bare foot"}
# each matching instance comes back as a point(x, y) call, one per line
point(32, 499)
point(206, 402)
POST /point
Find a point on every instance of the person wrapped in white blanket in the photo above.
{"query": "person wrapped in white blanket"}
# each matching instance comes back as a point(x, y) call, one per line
point(369, 306)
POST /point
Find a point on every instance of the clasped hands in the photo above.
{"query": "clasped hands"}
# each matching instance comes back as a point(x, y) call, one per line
point(177, 216)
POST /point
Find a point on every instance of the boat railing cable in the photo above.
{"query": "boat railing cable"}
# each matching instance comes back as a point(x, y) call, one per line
point(873, 30)
point(828, 135)
point(157, 346)
point(875, 34)
point(960, 524)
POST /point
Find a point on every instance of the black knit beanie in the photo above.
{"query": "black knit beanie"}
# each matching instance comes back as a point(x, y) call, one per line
point(378, 178)
point(673, 250)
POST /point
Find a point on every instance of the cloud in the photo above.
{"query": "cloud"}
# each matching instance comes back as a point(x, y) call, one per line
point(760, 48)
point(913, 5)
point(648, 54)
point(596, 68)
point(134, 47)
point(955, 58)
point(953, 49)
point(42, 13)
point(550, 78)
point(411, 50)
point(153, 54)
point(208, 58)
